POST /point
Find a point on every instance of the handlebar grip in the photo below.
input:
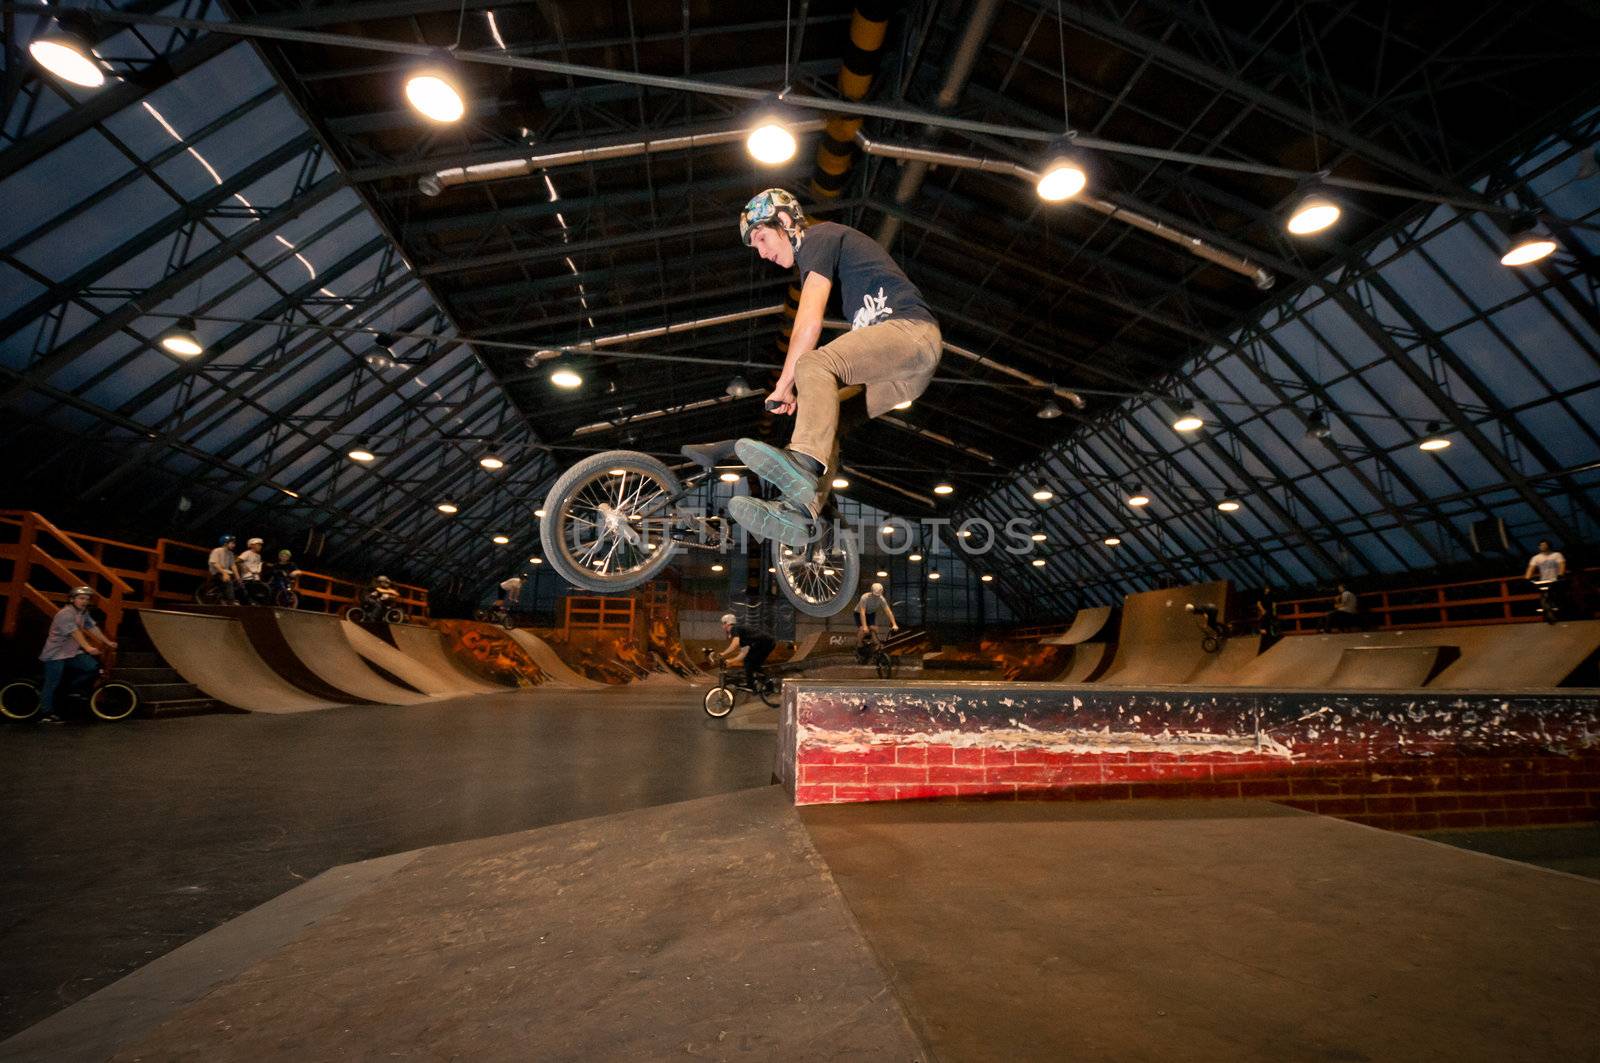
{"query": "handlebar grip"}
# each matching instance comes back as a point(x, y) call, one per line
point(772, 405)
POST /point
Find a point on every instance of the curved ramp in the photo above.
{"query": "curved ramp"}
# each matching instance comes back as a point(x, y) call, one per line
point(1159, 642)
point(1387, 667)
point(426, 646)
point(1085, 625)
point(1088, 660)
point(319, 643)
point(215, 654)
point(1219, 669)
point(1519, 656)
point(396, 663)
point(550, 662)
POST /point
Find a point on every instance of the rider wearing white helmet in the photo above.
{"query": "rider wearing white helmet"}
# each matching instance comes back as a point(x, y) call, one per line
point(892, 350)
point(68, 653)
point(869, 606)
point(750, 644)
point(251, 561)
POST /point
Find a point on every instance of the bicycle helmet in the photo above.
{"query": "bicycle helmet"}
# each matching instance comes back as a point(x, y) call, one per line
point(729, 619)
point(776, 207)
point(224, 540)
point(383, 581)
point(284, 555)
point(256, 542)
point(81, 590)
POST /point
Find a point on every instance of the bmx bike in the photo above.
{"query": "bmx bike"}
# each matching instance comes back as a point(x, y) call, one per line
point(614, 520)
point(872, 651)
point(1212, 633)
point(1548, 610)
point(373, 609)
point(247, 592)
point(495, 614)
point(731, 683)
point(107, 698)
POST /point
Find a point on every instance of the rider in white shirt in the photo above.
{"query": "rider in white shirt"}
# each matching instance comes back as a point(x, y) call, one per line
point(511, 592)
point(869, 606)
point(1547, 565)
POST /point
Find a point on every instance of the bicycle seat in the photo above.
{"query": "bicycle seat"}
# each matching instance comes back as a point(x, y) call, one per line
point(709, 455)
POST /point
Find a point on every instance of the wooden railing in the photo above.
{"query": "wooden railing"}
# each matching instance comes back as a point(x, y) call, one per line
point(127, 576)
point(1501, 600)
point(581, 612)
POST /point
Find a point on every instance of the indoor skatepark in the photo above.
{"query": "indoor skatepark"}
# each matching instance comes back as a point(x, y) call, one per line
point(1153, 448)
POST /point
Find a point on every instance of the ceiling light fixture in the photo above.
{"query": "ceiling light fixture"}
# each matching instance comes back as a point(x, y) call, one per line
point(1228, 505)
point(539, 513)
point(1137, 498)
point(987, 577)
point(448, 508)
point(64, 51)
point(1317, 426)
point(1049, 411)
point(906, 405)
point(566, 377)
point(1038, 562)
point(501, 540)
point(771, 143)
point(740, 388)
point(933, 575)
point(944, 489)
point(914, 558)
point(716, 568)
point(729, 477)
point(1527, 244)
point(840, 483)
point(1037, 537)
point(434, 91)
point(882, 574)
point(361, 452)
point(1186, 419)
point(1315, 212)
point(492, 462)
point(1063, 174)
point(1433, 440)
point(535, 560)
point(1112, 540)
point(1043, 494)
point(181, 340)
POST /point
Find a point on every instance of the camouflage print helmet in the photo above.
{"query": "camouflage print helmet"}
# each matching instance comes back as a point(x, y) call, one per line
point(772, 207)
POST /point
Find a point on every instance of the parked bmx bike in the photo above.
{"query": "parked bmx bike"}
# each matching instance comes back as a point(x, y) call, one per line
point(614, 521)
point(495, 614)
point(374, 609)
point(1548, 610)
point(732, 684)
point(107, 699)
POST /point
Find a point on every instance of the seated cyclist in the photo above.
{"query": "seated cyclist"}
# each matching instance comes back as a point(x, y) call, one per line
point(284, 576)
point(869, 608)
point(750, 644)
point(222, 569)
point(383, 593)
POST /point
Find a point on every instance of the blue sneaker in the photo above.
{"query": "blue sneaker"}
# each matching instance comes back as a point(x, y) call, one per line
point(771, 520)
point(782, 469)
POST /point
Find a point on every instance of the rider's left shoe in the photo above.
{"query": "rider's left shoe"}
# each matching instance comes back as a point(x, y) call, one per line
point(795, 475)
point(772, 520)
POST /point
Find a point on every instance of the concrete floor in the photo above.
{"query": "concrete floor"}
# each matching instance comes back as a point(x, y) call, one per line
point(119, 843)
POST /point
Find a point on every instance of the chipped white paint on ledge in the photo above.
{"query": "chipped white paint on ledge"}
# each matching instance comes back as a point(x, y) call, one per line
point(856, 740)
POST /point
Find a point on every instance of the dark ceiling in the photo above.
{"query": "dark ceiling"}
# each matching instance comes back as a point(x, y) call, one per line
point(1421, 96)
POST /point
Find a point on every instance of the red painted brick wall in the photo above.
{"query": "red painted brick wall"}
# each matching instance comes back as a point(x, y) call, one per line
point(1402, 793)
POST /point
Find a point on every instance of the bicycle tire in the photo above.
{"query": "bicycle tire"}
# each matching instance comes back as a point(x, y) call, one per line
point(286, 599)
point(1210, 644)
point(561, 535)
point(719, 702)
point(819, 579)
point(114, 701)
point(355, 615)
point(208, 594)
point(394, 616)
point(885, 665)
point(19, 700)
point(771, 693)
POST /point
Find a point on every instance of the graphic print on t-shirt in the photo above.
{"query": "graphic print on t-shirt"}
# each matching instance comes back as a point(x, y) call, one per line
point(872, 310)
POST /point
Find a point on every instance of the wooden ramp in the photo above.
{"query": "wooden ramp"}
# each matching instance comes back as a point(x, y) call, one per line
point(1387, 667)
point(1088, 660)
point(559, 672)
point(426, 645)
point(1520, 656)
point(1159, 641)
point(319, 642)
point(1087, 624)
point(214, 653)
point(1219, 669)
point(394, 662)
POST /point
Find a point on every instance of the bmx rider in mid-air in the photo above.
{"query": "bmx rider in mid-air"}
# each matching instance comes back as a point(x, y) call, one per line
point(891, 350)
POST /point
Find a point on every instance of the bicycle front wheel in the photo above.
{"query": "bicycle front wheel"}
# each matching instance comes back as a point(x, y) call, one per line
point(114, 701)
point(885, 665)
point(718, 702)
point(820, 577)
point(609, 520)
point(771, 692)
point(19, 700)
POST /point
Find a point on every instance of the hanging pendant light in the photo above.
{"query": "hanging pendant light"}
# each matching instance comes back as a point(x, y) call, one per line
point(65, 52)
point(434, 90)
point(1317, 210)
point(1527, 244)
point(181, 340)
point(1063, 174)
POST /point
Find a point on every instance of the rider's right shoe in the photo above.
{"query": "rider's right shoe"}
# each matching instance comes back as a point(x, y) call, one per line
point(795, 475)
point(772, 520)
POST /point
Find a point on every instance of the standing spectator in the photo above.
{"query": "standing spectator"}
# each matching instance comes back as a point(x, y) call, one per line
point(68, 654)
point(1267, 613)
point(222, 568)
point(249, 565)
point(1547, 565)
point(1344, 613)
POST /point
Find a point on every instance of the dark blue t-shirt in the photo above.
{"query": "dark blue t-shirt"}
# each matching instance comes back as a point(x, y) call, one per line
point(872, 288)
point(749, 634)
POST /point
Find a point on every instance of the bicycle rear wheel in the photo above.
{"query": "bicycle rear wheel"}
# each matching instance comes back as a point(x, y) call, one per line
point(885, 665)
point(19, 700)
point(820, 577)
point(114, 701)
point(719, 702)
point(356, 615)
point(770, 691)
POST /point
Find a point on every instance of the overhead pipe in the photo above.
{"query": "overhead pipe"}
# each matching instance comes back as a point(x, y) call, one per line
point(1257, 274)
point(435, 183)
point(966, 56)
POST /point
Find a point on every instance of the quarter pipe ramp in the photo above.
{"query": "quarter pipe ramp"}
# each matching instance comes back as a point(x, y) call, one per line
point(215, 654)
point(425, 645)
point(558, 671)
point(317, 640)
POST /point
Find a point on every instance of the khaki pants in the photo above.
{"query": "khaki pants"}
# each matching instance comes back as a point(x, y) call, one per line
point(893, 359)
